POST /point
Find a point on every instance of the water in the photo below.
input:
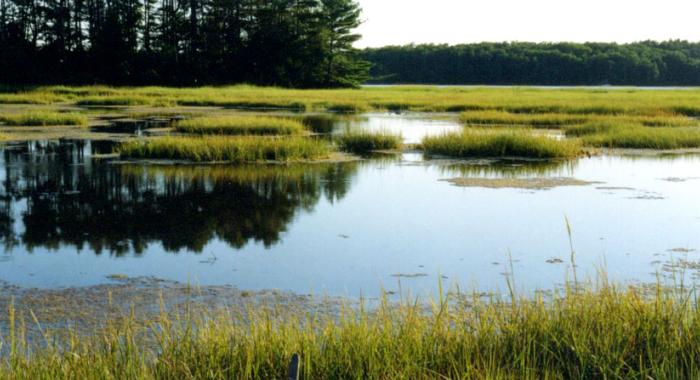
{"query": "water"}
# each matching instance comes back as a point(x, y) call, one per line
point(347, 229)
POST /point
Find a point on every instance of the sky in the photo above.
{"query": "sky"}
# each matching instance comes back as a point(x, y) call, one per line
point(398, 22)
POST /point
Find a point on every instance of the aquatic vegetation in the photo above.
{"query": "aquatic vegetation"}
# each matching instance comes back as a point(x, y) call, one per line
point(645, 138)
point(602, 331)
point(240, 125)
point(515, 100)
point(548, 120)
point(43, 119)
point(499, 143)
point(364, 141)
point(115, 100)
point(34, 97)
point(227, 149)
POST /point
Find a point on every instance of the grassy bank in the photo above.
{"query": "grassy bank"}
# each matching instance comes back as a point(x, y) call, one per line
point(645, 138)
point(363, 141)
point(605, 332)
point(499, 143)
point(240, 125)
point(521, 100)
point(43, 119)
point(227, 149)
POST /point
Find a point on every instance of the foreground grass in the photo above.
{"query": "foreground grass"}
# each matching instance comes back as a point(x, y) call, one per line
point(605, 332)
point(43, 119)
point(499, 143)
point(227, 149)
point(364, 141)
point(240, 125)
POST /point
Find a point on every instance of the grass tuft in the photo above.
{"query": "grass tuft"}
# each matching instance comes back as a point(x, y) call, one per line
point(363, 141)
point(499, 143)
point(43, 119)
point(227, 149)
point(645, 138)
point(240, 125)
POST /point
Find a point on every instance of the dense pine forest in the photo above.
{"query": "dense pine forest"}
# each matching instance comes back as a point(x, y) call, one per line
point(292, 43)
point(671, 63)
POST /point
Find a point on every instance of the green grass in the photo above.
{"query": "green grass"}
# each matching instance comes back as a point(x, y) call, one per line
point(606, 332)
point(499, 143)
point(43, 119)
point(363, 141)
point(240, 125)
point(547, 120)
point(518, 100)
point(118, 100)
point(645, 138)
point(227, 149)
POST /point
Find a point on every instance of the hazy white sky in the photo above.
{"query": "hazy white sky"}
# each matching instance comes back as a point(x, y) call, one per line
point(392, 22)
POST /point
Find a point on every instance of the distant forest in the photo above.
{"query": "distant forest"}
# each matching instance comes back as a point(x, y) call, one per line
point(671, 63)
point(291, 43)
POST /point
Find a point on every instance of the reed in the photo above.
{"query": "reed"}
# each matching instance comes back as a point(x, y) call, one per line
point(236, 149)
point(240, 125)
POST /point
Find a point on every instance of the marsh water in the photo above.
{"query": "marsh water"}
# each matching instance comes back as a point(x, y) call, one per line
point(393, 222)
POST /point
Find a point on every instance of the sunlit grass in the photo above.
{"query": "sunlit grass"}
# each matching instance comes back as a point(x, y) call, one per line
point(43, 119)
point(499, 143)
point(645, 138)
point(602, 331)
point(405, 98)
point(366, 141)
point(227, 149)
point(240, 125)
point(547, 120)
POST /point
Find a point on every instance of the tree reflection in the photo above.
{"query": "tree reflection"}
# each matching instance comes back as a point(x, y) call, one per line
point(64, 197)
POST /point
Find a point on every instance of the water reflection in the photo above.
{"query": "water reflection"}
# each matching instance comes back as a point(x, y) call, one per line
point(61, 196)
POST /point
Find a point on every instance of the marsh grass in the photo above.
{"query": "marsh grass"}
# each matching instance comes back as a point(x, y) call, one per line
point(645, 138)
point(547, 120)
point(237, 149)
point(559, 120)
point(521, 100)
point(365, 141)
point(499, 143)
point(240, 125)
point(594, 332)
point(43, 119)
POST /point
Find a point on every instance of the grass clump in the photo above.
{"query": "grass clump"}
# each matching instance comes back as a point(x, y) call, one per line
point(240, 125)
point(645, 138)
point(227, 149)
point(43, 119)
point(602, 333)
point(500, 143)
point(115, 100)
point(547, 120)
point(365, 141)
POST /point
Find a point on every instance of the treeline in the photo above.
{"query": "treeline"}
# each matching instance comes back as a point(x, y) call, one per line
point(292, 43)
point(671, 63)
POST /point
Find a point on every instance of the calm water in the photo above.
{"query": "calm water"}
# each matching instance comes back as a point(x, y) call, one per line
point(343, 229)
